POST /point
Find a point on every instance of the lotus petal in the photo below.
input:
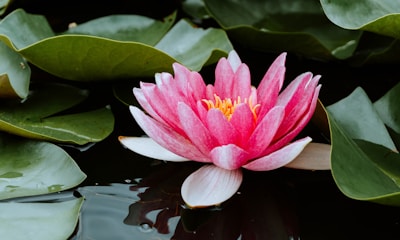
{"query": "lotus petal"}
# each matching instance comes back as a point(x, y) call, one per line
point(210, 185)
point(148, 147)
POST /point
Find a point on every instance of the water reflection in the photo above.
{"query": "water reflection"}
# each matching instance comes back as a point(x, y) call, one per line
point(153, 209)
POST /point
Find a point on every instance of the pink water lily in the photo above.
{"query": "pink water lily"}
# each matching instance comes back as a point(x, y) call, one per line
point(229, 125)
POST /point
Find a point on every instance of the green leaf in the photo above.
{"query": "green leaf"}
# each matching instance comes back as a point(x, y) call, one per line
point(31, 28)
point(382, 17)
point(15, 74)
point(126, 28)
point(359, 119)
point(38, 117)
point(44, 221)
point(87, 57)
point(376, 49)
point(30, 167)
point(195, 47)
point(195, 8)
point(388, 108)
point(364, 163)
point(3, 5)
point(295, 26)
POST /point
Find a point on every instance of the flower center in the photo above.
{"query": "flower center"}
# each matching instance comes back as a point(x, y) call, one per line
point(227, 106)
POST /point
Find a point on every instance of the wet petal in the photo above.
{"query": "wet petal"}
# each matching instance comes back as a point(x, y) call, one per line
point(166, 137)
point(210, 185)
point(148, 147)
point(280, 157)
point(229, 156)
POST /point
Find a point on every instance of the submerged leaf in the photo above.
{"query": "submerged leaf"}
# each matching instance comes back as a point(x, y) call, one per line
point(30, 167)
point(37, 118)
point(44, 221)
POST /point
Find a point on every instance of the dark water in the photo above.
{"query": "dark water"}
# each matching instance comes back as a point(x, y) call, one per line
point(132, 197)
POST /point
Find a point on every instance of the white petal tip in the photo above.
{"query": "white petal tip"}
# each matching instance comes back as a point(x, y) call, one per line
point(210, 186)
point(148, 147)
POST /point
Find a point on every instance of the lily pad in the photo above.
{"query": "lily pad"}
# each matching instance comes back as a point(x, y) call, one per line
point(126, 28)
point(295, 26)
point(30, 167)
point(39, 116)
point(382, 17)
point(44, 221)
point(89, 57)
point(15, 74)
point(364, 158)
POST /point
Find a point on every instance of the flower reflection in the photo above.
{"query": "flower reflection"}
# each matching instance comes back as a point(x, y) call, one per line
point(258, 212)
point(231, 124)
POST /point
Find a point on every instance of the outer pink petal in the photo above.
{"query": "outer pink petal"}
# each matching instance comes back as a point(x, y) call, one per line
point(194, 128)
point(271, 84)
point(167, 138)
point(298, 127)
point(145, 104)
point(210, 185)
point(298, 111)
point(229, 157)
point(294, 91)
point(148, 147)
point(161, 105)
point(189, 84)
point(265, 131)
point(278, 158)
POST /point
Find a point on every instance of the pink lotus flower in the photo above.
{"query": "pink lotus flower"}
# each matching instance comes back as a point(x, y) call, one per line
point(229, 125)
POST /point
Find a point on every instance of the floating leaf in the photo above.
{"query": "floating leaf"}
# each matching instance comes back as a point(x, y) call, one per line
point(382, 17)
point(14, 74)
point(388, 108)
point(364, 162)
point(44, 221)
point(295, 26)
point(88, 57)
point(3, 5)
point(37, 116)
point(30, 167)
point(126, 28)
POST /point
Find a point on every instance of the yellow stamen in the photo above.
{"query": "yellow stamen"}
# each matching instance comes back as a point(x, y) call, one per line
point(227, 107)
